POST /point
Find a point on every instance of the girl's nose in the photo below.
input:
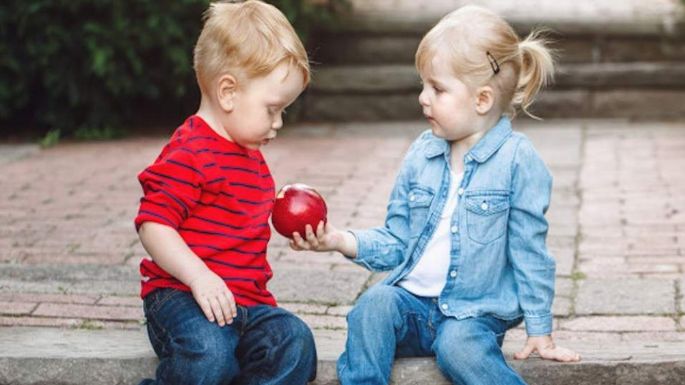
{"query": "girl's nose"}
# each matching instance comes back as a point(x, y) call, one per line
point(423, 99)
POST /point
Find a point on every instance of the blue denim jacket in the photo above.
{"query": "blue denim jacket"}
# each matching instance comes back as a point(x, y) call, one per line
point(499, 261)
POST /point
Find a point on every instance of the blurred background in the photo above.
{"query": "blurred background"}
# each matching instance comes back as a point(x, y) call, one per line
point(77, 74)
point(103, 69)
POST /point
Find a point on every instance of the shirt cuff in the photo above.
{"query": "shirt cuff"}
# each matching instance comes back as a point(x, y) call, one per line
point(538, 325)
point(363, 249)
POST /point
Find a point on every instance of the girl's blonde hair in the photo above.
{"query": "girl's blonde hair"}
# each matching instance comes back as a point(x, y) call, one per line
point(484, 49)
point(247, 40)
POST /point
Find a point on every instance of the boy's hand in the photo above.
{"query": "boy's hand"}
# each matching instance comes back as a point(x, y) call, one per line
point(326, 238)
point(214, 298)
point(545, 346)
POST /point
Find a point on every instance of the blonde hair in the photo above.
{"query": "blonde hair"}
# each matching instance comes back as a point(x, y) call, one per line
point(483, 49)
point(247, 40)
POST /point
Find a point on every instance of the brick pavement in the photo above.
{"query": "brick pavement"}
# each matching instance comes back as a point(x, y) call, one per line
point(68, 251)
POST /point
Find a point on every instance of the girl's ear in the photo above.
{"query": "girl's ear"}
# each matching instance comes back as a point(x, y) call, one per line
point(227, 86)
point(485, 99)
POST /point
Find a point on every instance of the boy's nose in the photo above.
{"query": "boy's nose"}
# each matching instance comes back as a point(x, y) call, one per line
point(278, 123)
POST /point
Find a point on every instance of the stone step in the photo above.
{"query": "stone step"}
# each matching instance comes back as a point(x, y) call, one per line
point(593, 31)
point(337, 48)
point(397, 78)
point(32, 356)
point(390, 92)
point(627, 103)
point(627, 17)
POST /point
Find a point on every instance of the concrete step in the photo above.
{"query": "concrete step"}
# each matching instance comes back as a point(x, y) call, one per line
point(389, 92)
point(600, 16)
point(41, 356)
point(388, 32)
point(581, 46)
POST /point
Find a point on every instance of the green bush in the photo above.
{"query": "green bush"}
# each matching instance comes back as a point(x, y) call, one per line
point(89, 67)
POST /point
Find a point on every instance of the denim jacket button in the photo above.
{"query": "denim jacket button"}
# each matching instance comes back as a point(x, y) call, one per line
point(484, 206)
point(454, 229)
point(411, 198)
point(460, 191)
point(453, 273)
point(444, 306)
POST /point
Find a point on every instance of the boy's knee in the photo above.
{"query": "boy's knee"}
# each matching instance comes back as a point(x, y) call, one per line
point(211, 356)
point(300, 333)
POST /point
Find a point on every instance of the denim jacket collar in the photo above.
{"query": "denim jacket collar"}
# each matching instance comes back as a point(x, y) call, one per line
point(485, 147)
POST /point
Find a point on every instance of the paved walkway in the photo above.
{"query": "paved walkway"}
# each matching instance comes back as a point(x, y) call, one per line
point(69, 254)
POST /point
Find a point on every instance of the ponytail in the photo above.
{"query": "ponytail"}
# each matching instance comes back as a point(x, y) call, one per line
point(537, 70)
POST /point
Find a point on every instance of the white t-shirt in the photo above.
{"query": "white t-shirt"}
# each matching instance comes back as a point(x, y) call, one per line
point(429, 276)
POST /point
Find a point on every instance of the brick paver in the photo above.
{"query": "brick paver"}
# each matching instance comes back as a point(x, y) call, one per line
point(69, 253)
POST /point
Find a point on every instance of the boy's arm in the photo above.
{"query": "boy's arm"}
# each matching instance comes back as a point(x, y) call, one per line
point(533, 266)
point(172, 186)
point(168, 249)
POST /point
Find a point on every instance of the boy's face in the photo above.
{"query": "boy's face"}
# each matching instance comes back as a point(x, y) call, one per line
point(447, 102)
point(259, 104)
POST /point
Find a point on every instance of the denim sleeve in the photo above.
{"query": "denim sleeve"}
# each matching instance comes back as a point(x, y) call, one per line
point(383, 248)
point(533, 266)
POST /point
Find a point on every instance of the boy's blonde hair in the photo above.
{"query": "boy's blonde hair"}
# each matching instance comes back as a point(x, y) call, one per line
point(483, 49)
point(246, 40)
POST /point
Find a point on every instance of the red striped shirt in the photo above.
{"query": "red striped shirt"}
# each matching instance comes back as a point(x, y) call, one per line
point(218, 195)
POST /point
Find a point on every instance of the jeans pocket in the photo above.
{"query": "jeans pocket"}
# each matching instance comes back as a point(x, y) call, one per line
point(157, 339)
point(487, 214)
point(154, 301)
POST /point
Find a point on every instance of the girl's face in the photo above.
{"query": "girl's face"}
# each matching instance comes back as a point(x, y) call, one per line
point(447, 103)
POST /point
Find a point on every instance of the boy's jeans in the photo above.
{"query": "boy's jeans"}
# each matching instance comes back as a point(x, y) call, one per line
point(388, 321)
point(263, 345)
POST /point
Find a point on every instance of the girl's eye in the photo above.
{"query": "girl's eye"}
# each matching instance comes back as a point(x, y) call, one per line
point(437, 90)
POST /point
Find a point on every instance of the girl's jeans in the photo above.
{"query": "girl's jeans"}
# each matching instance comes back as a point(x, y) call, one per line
point(264, 344)
point(388, 321)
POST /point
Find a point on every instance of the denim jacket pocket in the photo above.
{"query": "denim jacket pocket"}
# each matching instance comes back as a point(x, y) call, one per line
point(486, 215)
point(420, 199)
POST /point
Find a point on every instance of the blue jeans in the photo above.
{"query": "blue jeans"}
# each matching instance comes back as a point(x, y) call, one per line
point(389, 322)
point(263, 345)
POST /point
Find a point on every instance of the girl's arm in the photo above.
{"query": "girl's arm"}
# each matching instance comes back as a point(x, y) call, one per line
point(534, 268)
point(527, 231)
point(380, 248)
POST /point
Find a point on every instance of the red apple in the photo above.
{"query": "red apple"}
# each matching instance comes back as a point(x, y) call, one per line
point(296, 206)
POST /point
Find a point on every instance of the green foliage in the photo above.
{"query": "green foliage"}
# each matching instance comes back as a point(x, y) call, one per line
point(50, 139)
point(87, 68)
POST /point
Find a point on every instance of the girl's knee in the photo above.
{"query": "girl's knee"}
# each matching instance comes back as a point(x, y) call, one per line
point(379, 298)
point(461, 347)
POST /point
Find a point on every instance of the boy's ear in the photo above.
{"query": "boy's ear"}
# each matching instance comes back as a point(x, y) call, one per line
point(227, 86)
point(485, 99)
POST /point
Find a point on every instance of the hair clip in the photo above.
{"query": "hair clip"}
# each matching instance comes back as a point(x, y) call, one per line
point(493, 62)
